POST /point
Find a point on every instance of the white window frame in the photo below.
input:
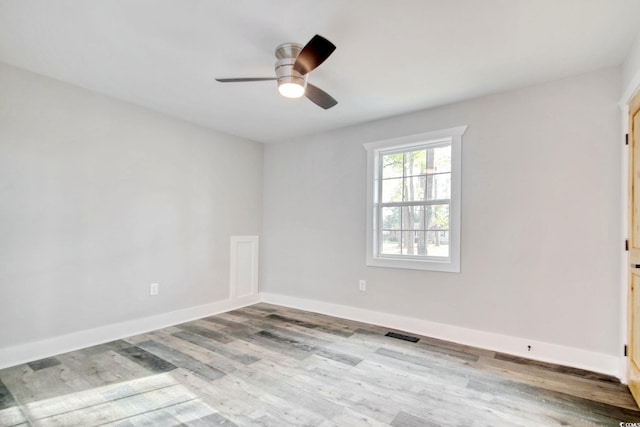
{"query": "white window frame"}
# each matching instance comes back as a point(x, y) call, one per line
point(374, 152)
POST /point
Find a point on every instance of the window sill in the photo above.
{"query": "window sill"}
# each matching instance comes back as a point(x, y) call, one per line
point(448, 265)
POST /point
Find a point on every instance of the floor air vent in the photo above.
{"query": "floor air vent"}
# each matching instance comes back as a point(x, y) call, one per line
point(402, 337)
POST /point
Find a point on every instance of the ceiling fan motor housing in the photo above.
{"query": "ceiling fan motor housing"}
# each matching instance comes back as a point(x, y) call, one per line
point(287, 54)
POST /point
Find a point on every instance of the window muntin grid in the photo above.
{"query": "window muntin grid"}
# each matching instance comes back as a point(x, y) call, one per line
point(414, 195)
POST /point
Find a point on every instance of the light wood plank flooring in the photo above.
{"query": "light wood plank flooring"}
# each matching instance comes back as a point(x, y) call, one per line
point(266, 365)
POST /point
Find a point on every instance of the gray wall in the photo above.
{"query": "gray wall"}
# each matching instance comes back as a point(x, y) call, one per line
point(99, 198)
point(631, 70)
point(540, 217)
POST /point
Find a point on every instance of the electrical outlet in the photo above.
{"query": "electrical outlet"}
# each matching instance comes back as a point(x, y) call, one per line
point(363, 285)
point(154, 289)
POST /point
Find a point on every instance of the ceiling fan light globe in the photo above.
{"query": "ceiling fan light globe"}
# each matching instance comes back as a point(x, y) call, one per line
point(291, 90)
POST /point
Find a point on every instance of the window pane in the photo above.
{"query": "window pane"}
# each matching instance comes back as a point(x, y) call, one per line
point(415, 243)
point(408, 243)
point(438, 243)
point(439, 159)
point(391, 218)
point(413, 218)
point(391, 242)
point(437, 217)
point(392, 165)
point(420, 240)
point(439, 186)
point(415, 163)
point(416, 187)
point(392, 190)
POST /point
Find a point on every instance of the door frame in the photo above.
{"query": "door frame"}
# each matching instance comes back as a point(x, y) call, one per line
point(624, 268)
point(624, 103)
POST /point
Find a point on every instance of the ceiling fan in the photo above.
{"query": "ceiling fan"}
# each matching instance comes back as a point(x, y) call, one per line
point(293, 66)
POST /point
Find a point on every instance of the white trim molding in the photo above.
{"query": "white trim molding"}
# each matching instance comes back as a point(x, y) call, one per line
point(28, 352)
point(375, 150)
point(541, 351)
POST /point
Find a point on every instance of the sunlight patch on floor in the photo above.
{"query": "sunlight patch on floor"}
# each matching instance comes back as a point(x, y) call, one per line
point(155, 400)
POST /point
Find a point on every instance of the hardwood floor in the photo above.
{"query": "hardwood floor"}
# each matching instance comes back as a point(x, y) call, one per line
point(274, 366)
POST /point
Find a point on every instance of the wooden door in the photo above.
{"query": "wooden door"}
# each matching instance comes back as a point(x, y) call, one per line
point(633, 365)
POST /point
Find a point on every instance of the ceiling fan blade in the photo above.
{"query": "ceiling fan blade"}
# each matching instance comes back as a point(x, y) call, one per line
point(246, 79)
point(319, 97)
point(313, 54)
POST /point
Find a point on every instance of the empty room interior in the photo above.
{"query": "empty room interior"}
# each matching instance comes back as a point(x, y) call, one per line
point(336, 213)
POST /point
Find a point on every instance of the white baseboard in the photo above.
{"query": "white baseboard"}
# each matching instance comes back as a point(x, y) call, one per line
point(542, 351)
point(23, 353)
point(546, 352)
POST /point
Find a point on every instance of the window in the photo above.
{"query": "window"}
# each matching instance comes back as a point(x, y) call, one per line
point(413, 200)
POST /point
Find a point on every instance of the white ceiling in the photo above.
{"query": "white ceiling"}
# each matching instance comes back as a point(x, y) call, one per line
point(392, 57)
